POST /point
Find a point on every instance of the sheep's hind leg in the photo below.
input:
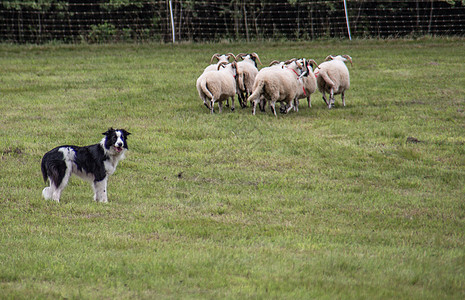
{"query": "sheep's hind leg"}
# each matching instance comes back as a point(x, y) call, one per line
point(324, 99)
point(212, 105)
point(262, 104)
point(239, 98)
point(206, 102)
point(220, 105)
point(273, 109)
point(331, 98)
point(291, 106)
point(343, 99)
point(232, 104)
point(254, 106)
point(242, 99)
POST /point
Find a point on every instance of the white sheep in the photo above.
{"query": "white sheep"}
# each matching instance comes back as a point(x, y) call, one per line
point(246, 72)
point(277, 85)
point(218, 86)
point(221, 58)
point(308, 82)
point(275, 64)
point(333, 77)
point(214, 67)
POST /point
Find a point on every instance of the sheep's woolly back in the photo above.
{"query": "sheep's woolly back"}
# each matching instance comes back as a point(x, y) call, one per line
point(221, 58)
point(218, 85)
point(333, 74)
point(246, 73)
point(309, 83)
point(275, 84)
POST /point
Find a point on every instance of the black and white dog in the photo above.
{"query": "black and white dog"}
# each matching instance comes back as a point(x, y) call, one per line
point(93, 163)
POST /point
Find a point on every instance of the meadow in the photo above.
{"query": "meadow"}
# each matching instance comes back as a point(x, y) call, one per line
point(365, 201)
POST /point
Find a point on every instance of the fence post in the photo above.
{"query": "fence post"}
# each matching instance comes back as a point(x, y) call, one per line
point(347, 20)
point(172, 23)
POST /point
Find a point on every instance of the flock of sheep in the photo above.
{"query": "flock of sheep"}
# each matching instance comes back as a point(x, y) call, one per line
point(285, 82)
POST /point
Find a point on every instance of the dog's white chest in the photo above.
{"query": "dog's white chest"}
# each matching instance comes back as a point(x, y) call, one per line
point(110, 164)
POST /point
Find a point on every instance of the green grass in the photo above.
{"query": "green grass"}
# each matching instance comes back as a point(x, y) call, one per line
point(331, 204)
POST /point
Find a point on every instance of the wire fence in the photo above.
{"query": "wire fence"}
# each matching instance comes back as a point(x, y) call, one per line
point(39, 21)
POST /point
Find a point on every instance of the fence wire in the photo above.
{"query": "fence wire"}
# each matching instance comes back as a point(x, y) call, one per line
point(38, 21)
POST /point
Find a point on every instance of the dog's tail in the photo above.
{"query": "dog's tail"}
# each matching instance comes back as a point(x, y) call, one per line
point(43, 167)
point(53, 169)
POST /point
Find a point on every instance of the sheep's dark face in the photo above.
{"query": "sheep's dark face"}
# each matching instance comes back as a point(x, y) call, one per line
point(302, 67)
point(234, 68)
point(312, 65)
point(254, 58)
point(306, 68)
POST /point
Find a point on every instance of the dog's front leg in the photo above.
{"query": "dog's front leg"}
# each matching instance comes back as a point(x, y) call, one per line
point(100, 191)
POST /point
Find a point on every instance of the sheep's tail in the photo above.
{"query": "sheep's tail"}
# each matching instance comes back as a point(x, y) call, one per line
point(240, 81)
point(326, 78)
point(258, 88)
point(206, 91)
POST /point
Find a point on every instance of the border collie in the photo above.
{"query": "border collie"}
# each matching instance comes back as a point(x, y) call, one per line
point(93, 163)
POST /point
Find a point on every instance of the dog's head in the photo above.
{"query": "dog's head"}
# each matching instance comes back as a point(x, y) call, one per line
point(115, 141)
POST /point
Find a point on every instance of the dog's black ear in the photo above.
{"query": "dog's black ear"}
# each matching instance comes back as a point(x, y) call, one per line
point(110, 130)
point(125, 133)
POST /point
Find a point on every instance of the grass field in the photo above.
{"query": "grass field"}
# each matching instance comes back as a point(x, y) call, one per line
point(365, 201)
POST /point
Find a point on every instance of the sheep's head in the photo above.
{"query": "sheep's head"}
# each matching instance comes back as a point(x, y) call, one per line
point(329, 57)
point(231, 55)
point(241, 56)
point(313, 64)
point(310, 63)
point(222, 57)
point(343, 58)
point(216, 55)
point(304, 64)
point(233, 65)
point(252, 56)
point(274, 62)
point(299, 66)
point(347, 57)
point(234, 68)
point(289, 61)
point(222, 65)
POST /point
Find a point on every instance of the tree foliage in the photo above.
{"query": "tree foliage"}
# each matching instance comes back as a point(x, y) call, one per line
point(71, 20)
